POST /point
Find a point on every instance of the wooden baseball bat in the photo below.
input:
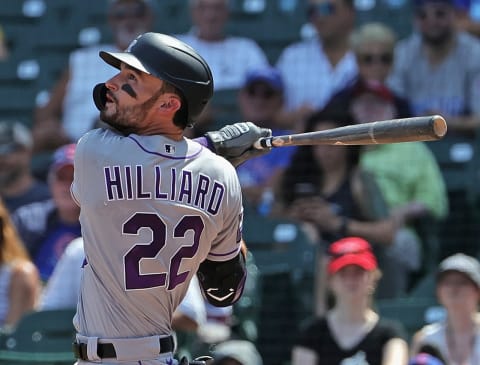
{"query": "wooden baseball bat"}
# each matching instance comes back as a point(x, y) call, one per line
point(425, 128)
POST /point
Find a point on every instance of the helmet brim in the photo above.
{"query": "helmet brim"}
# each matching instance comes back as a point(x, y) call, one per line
point(116, 58)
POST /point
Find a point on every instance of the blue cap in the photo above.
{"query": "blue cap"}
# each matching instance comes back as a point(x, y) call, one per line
point(425, 359)
point(268, 75)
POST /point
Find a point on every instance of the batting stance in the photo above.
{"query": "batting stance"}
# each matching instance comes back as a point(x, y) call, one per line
point(155, 207)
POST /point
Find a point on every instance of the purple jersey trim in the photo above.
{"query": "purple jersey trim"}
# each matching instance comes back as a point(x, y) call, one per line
point(167, 156)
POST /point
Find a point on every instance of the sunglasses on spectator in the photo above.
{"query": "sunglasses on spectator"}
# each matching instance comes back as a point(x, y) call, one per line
point(371, 58)
point(322, 9)
point(128, 12)
point(261, 92)
point(436, 13)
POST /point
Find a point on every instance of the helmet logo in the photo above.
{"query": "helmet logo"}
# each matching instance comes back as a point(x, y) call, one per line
point(132, 44)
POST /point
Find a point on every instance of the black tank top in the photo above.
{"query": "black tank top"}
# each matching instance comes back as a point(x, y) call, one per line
point(317, 336)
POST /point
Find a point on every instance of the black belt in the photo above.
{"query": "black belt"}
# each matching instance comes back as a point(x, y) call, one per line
point(107, 350)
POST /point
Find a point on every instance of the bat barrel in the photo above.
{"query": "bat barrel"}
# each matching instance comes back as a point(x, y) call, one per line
point(425, 128)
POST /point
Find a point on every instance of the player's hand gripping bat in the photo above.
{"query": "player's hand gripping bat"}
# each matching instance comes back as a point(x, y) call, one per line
point(425, 128)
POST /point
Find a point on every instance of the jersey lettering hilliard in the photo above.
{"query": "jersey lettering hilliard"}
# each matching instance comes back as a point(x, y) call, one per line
point(127, 182)
point(149, 220)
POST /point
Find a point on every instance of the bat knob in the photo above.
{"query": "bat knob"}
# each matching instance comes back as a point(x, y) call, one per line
point(439, 126)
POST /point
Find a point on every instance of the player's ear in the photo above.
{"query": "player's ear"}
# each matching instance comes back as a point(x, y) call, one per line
point(171, 104)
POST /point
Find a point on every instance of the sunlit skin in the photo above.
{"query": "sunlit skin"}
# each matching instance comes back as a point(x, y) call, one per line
point(436, 23)
point(136, 103)
point(262, 105)
point(352, 284)
point(374, 71)
point(457, 292)
point(210, 18)
point(129, 19)
point(334, 26)
point(460, 296)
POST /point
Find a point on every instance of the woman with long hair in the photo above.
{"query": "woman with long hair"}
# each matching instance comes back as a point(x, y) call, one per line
point(19, 280)
point(326, 190)
point(351, 332)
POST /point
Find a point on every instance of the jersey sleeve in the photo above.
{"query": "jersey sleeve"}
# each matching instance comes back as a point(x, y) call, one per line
point(79, 171)
point(227, 243)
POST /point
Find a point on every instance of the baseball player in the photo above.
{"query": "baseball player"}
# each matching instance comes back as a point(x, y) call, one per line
point(156, 207)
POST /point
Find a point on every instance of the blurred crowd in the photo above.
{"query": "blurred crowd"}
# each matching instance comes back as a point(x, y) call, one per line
point(373, 216)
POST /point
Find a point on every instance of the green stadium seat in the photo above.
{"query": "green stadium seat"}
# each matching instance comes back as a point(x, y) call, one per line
point(455, 156)
point(224, 107)
point(413, 312)
point(285, 259)
point(42, 338)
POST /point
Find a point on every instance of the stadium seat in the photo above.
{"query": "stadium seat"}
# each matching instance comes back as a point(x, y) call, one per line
point(455, 156)
point(16, 102)
point(224, 107)
point(41, 337)
point(285, 259)
point(413, 312)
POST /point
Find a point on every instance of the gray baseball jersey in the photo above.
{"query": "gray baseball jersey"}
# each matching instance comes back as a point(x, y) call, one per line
point(152, 209)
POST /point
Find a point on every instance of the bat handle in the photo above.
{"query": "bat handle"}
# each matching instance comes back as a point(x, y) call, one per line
point(263, 143)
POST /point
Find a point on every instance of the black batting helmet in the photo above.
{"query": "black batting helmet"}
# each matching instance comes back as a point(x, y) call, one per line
point(171, 60)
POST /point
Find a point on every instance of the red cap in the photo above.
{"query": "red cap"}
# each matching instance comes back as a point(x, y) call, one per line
point(372, 87)
point(351, 251)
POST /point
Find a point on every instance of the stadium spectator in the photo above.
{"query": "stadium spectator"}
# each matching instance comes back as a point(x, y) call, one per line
point(324, 187)
point(18, 186)
point(458, 291)
point(229, 57)
point(63, 287)
point(436, 69)
point(351, 332)
point(19, 281)
point(259, 100)
point(46, 227)
point(316, 68)
point(368, 95)
point(413, 187)
point(407, 174)
point(468, 17)
point(70, 111)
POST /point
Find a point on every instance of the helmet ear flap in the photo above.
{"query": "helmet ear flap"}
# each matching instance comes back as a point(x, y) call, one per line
point(100, 96)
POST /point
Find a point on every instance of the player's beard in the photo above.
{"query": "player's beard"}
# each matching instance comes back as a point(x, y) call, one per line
point(128, 119)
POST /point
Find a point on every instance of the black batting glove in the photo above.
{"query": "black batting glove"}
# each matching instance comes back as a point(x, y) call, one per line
point(235, 141)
